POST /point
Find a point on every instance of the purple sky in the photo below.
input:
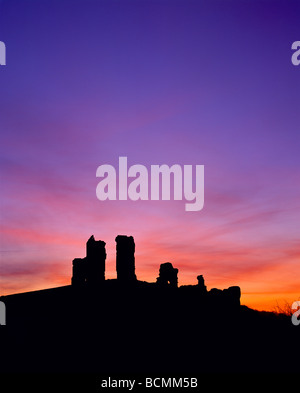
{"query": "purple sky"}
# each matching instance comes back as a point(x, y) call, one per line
point(161, 82)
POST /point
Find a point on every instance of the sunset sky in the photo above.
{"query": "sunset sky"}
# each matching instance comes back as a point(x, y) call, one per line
point(161, 82)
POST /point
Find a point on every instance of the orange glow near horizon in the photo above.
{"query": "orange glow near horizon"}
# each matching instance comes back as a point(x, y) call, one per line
point(258, 301)
point(261, 284)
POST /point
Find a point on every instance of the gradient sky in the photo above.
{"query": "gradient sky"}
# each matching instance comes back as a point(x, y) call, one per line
point(161, 82)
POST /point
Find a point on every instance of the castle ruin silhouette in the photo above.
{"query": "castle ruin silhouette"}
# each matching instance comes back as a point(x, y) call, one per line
point(89, 272)
point(128, 325)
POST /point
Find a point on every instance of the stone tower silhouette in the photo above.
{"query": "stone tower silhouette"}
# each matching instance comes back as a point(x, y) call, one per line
point(96, 255)
point(91, 269)
point(125, 258)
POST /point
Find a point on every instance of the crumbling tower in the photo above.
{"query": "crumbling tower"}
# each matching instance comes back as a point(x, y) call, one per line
point(167, 275)
point(125, 259)
point(96, 256)
point(201, 284)
point(91, 269)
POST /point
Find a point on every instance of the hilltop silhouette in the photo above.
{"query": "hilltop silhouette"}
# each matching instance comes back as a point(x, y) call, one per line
point(128, 325)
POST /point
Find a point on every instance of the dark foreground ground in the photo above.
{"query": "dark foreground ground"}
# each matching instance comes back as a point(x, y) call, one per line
point(141, 330)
